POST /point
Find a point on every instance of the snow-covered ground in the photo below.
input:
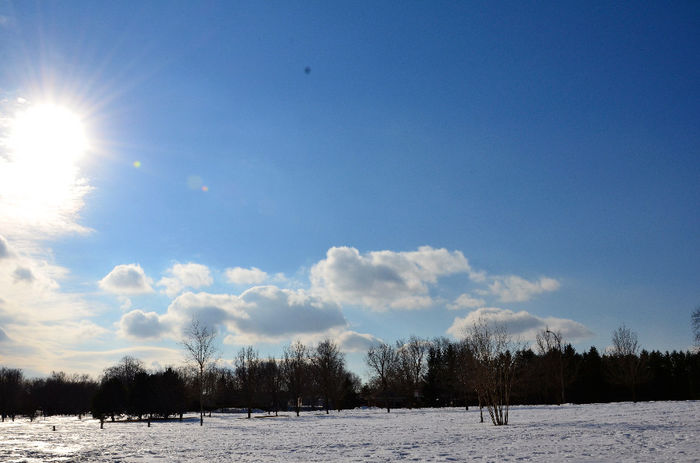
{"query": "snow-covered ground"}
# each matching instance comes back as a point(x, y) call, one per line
point(657, 431)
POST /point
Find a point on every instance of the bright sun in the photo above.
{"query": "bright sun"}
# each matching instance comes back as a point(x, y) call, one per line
point(39, 180)
point(50, 135)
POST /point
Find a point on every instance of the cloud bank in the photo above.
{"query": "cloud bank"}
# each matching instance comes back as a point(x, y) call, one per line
point(261, 313)
point(520, 324)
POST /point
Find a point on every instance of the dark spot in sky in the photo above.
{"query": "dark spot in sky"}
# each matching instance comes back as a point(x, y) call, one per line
point(307, 69)
point(23, 274)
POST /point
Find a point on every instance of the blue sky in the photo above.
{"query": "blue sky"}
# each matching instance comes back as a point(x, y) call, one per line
point(371, 172)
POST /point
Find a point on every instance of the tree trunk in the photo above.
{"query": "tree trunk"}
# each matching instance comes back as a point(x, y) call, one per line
point(201, 395)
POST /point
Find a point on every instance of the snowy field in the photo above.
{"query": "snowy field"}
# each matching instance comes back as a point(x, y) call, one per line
point(660, 431)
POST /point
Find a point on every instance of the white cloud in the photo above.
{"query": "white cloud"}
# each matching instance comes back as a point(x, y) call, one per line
point(465, 301)
point(261, 313)
point(246, 276)
point(519, 324)
point(183, 276)
point(517, 289)
point(352, 341)
point(141, 325)
point(275, 313)
point(211, 310)
point(126, 279)
point(383, 280)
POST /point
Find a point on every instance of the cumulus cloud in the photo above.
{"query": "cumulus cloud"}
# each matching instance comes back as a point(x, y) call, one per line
point(261, 313)
point(520, 324)
point(352, 341)
point(384, 280)
point(183, 276)
point(465, 301)
point(126, 279)
point(513, 288)
point(142, 325)
point(274, 313)
point(210, 309)
point(245, 276)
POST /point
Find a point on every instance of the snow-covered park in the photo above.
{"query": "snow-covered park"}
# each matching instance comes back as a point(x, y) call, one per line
point(653, 431)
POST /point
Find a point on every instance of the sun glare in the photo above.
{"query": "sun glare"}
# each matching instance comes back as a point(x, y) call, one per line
point(49, 135)
point(39, 179)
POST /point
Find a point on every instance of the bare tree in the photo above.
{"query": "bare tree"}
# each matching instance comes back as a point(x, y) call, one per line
point(696, 325)
point(626, 364)
point(248, 374)
point(495, 365)
point(411, 365)
point(328, 363)
point(551, 348)
point(200, 352)
point(296, 372)
point(272, 381)
point(383, 362)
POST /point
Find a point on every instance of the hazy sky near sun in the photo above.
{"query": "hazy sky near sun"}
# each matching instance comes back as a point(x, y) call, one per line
point(359, 171)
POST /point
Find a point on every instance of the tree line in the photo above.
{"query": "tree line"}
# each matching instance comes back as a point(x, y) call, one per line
point(486, 369)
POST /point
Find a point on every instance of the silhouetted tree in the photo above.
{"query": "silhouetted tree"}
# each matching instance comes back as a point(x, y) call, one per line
point(126, 370)
point(411, 367)
point(11, 385)
point(350, 391)
point(296, 372)
point(272, 383)
point(248, 375)
point(328, 365)
point(625, 364)
point(465, 372)
point(110, 399)
point(551, 348)
point(169, 389)
point(383, 363)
